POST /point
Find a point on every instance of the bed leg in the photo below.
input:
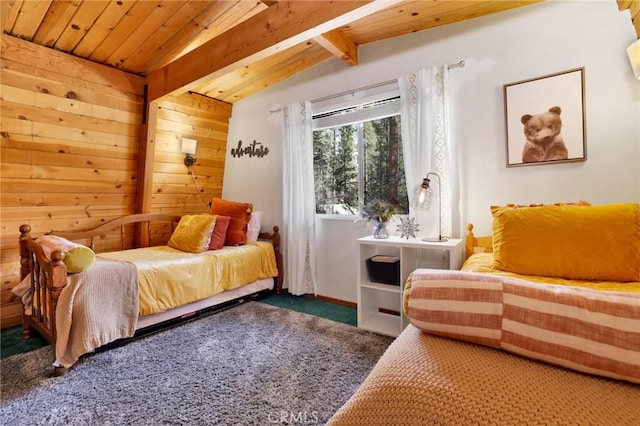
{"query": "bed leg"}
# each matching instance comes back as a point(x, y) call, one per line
point(26, 331)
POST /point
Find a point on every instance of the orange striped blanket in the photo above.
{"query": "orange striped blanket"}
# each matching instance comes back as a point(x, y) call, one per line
point(591, 331)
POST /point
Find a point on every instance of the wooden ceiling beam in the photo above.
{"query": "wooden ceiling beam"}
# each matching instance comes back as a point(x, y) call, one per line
point(215, 19)
point(279, 27)
point(339, 45)
point(634, 11)
point(624, 4)
point(243, 82)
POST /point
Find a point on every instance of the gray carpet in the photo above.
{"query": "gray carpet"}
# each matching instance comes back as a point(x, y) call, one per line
point(254, 364)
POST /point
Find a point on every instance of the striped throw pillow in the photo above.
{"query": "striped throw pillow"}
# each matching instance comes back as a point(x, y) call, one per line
point(460, 305)
point(592, 331)
point(587, 330)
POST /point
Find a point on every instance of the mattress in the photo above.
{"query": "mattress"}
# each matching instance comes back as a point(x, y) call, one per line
point(169, 278)
point(481, 262)
point(190, 308)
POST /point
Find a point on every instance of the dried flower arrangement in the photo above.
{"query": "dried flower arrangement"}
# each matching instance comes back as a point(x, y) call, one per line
point(380, 211)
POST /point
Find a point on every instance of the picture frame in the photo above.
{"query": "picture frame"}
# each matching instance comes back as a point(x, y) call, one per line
point(545, 119)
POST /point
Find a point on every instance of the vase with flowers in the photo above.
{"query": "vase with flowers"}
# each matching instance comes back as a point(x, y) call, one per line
point(379, 213)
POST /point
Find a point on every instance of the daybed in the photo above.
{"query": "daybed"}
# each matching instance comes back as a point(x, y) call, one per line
point(118, 294)
point(542, 329)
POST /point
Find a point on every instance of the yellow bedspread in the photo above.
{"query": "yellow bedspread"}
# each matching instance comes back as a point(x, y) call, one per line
point(169, 277)
point(481, 262)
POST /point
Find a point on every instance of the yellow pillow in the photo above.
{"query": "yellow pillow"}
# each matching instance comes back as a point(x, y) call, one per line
point(192, 233)
point(569, 241)
point(77, 257)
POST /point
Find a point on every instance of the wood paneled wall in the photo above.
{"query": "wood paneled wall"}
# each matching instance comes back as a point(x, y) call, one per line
point(177, 189)
point(69, 147)
point(69, 150)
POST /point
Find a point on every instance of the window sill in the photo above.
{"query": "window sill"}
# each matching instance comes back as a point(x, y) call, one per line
point(338, 217)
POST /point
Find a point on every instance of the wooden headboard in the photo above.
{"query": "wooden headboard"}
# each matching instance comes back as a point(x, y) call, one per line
point(475, 244)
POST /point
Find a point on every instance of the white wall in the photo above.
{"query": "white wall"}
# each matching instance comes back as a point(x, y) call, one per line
point(525, 43)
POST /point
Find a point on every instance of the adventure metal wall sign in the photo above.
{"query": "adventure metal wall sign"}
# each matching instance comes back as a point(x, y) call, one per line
point(255, 149)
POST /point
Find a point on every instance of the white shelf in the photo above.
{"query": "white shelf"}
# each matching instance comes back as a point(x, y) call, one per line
point(380, 306)
point(381, 287)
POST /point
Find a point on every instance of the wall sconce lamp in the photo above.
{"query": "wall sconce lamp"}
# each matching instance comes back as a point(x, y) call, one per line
point(189, 150)
point(634, 57)
point(422, 198)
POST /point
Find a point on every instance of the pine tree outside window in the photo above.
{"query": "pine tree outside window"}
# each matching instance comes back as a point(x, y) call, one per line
point(357, 152)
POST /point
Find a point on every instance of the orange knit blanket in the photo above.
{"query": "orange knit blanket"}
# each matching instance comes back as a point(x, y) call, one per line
point(429, 380)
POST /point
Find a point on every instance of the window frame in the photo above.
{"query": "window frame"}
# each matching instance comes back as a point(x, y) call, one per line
point(324, 117)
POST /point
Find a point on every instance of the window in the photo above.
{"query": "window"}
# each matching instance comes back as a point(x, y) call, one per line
point(357, 156)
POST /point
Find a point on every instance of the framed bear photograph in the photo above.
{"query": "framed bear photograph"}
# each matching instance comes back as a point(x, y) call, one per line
point(545, 119)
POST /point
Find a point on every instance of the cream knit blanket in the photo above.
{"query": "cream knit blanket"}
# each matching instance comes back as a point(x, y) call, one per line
point(98, 306)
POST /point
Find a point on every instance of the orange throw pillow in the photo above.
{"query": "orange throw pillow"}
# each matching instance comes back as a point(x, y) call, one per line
point(240, 214)
point(219, 234)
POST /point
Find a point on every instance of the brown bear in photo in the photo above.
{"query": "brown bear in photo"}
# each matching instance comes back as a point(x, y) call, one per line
point(544, 141)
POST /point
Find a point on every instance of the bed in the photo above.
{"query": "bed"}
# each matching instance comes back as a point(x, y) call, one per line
point(487, 345)
point(129, 292)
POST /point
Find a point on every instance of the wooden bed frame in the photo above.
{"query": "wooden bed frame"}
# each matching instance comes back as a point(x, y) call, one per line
point(49, 277)
point(475, 244)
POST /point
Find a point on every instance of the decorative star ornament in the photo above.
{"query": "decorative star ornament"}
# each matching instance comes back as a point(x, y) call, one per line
point(408, 227)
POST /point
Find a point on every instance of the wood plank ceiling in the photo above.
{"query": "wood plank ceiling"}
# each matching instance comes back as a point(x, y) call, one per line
point(144, 36)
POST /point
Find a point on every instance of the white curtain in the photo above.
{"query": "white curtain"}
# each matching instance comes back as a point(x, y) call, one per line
point(299, 200)
point(427, 144)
